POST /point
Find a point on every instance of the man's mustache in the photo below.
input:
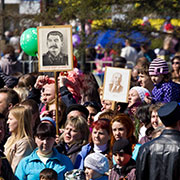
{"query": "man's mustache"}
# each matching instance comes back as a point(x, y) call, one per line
point(54, 46)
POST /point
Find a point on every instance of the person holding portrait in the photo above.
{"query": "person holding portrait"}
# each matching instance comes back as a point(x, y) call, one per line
point(55, 56)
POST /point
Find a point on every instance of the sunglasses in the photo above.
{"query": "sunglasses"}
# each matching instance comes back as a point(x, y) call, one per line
point(175, 62)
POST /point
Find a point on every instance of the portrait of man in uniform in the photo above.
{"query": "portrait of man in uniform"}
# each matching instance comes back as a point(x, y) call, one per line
point(115, 84)
point(55, 48)
point(54, 55)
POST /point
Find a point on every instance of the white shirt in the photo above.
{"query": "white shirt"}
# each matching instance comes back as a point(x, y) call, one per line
point(129, 53)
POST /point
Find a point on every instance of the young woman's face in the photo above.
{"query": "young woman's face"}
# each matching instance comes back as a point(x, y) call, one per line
point(71, 134)
point(100, 136)
point(45, 145)
point(12, 123)
point(155, 120)
point(133, 98)
point(157, 79)
point(176, 64)
point(144, 80)
point(92, 113)
point(119, 131)
point(91, 174)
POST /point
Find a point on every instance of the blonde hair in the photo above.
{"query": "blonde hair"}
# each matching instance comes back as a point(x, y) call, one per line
point(24, 129)
point(22, 92)
point(80, 124)
point(107, 114)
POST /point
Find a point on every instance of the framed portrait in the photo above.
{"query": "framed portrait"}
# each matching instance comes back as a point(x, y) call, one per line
point(55, 49)
point(116, 84)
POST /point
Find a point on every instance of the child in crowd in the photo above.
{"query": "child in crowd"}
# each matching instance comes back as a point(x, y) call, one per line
point(96, 165)
point(125, 166)
point(48, 174)
point(165, 90)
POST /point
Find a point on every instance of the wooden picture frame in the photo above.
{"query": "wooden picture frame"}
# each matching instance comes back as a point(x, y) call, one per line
point(55, 49)
point(116, 84)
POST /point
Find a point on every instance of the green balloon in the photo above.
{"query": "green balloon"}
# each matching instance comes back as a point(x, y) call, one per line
point(28, 41)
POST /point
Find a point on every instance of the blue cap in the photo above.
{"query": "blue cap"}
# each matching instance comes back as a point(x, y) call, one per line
point(46, 118)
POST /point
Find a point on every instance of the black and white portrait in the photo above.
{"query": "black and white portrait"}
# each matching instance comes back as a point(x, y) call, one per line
point(116, 84)
point(54, 55)
point(55, 48)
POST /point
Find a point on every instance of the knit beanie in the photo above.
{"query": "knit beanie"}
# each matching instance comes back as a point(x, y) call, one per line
point(98, 162)
point(158, 66)
point(141, 92)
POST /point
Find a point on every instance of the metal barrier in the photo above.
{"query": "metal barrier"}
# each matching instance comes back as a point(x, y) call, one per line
point(29, 66)
point(129, 64)
point(101, 63)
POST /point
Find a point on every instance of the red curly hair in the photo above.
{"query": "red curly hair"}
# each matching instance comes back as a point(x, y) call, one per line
point(125, 120)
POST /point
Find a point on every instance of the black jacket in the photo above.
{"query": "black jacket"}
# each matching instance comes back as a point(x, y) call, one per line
point(6, 171)
point(159, 159)
point(126, 172)
point(66, 96)
point(7, 80)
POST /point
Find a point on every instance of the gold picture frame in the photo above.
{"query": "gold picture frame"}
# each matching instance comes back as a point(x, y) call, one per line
point(55, 49)
point(116, 84)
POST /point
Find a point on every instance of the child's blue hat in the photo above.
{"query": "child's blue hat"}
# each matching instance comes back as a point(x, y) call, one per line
point(46, 118)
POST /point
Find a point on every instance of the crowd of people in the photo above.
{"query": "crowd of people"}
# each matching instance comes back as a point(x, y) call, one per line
point(92, 138)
